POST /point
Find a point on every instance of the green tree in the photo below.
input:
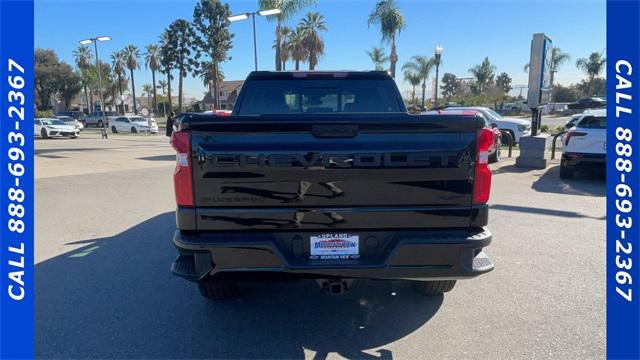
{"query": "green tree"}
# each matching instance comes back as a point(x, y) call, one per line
point(181, 37)
point(285, 49)
point(311, 26)
point(288, 9)
point(450, 86)
point(167, 61)
point(503, 82)
point(387, 16)
point(132, 56)
point(565, 93)
point(299, 52)
point(414, 80)
point(214, 40)
point(152, 62)
point(484, 74)
point(597, 87)
point(422, 66)
point(147, 90)
point(592, 66)
point(119, 65)
point(84, 57)
point(53, 79)
point(379, 58)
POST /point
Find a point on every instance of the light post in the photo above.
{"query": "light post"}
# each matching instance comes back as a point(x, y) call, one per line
point(245, 16)
point(438, 54)
point(102, 105)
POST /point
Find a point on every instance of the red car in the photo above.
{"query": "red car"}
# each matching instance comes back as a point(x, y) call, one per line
point(494, 149)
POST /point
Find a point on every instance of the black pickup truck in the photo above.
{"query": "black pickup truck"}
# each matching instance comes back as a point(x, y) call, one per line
point(325, 175)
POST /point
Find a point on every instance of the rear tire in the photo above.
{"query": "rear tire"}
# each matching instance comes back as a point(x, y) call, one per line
point(566, 172)
point(84, 124)
point(134, 130)
point(217, 289)
point(114, 130)
point(434, 287)
point(495, 157)
point(43, 134)
point(100, 124)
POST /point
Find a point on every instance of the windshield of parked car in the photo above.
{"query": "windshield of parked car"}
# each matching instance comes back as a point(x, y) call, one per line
point(296, 96)
point(593, 122)
point(492, 114)
point(53, 122)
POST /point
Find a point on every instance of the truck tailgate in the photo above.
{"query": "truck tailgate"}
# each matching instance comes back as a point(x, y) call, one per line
point(409, 172)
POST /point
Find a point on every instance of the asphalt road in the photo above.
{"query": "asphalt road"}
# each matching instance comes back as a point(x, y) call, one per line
point(104, 290)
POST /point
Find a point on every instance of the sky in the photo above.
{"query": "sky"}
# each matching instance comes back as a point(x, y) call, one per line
point(468, 31)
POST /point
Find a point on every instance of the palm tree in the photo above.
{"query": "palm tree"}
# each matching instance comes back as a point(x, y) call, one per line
point(118, 62)
point(84, 57)
point(167, 61)
point(592, 66)
point(147, 90)
point(414, 80)
point(152, 62)
point(162, 85)
point(285, 51)
point(132, 55)
point(296, 47)
point(421, 66)
point(311, 26)
point(388, 16)
point(378, 57)
point(207, 74)
point(484, 74)
point(288, 8)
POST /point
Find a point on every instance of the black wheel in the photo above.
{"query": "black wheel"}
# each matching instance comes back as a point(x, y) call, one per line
point(84, 124)
point(495, 157)
point(134, 130)
point(114, 130)
point(43, 134)
point(434, 287)
point(217, 289)
point(100, 123)
point(566, 172)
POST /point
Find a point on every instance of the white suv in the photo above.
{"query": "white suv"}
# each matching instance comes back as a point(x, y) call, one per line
point(585, 144)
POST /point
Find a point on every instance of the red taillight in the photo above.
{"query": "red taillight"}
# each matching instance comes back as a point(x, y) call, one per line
point(482, 179)
point(182, 179)
point(571, 134)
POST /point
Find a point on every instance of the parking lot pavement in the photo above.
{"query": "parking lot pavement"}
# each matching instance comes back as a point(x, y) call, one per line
point(104, 290)
point(91, 154)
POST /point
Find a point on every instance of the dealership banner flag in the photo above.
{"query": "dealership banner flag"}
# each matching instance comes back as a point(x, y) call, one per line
point(623, 180)
point(16, 179)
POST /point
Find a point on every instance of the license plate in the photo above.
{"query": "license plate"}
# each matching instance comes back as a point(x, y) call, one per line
point(335, 246)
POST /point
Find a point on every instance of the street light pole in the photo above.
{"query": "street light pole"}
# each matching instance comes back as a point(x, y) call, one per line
point(255, 48)
point(245, 16)
point(102, 104)
point(438, 54)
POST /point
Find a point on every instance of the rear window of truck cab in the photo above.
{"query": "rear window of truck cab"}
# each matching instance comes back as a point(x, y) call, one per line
point(299, 96)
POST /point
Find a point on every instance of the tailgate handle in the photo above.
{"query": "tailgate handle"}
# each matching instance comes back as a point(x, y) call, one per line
point(334, 131)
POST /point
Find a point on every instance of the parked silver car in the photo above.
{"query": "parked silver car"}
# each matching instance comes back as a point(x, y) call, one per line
point(96, 118)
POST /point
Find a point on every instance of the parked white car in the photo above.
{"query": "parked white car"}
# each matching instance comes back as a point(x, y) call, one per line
point(516, 127)
point(46, 128)
point(134, 124)
point(71, 121)
point(585, 144)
